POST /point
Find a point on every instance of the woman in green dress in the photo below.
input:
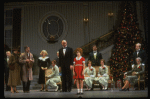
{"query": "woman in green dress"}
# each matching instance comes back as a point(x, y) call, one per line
point(103, 75)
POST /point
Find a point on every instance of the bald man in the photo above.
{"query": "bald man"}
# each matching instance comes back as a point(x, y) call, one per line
point(66, 65)
point(139, 53)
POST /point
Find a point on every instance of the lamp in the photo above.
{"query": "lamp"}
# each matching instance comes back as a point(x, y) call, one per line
point(110, 14)
point(86, 19)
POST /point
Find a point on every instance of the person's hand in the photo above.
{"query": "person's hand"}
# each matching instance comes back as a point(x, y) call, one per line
point(82, 73)
point(73, 73)
point(125, 73)
point(133, 73)
point(71, 67)
point(45, 68)
point(27, 60)
point(31, 60)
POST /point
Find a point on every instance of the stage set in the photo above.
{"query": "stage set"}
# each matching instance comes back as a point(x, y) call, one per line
point(109, 37)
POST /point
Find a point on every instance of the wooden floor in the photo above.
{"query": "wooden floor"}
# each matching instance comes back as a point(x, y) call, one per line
point(87, 94)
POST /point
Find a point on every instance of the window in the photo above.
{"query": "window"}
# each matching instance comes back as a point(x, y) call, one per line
point(8, 30)
point(53, 27)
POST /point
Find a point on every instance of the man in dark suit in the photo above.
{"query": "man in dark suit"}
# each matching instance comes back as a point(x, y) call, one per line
point(139, 53)
point(95, 56)
point(66, 64)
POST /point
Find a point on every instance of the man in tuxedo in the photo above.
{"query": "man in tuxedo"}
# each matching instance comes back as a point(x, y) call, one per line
point(95, 56)
point(66, 66)
point(139, 53)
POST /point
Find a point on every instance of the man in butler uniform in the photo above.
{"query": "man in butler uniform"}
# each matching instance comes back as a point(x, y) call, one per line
point(95, 57)
point(139, 53)
point(66, 65)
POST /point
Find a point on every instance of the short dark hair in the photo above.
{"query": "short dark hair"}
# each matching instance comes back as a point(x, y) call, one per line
point(94, 45)
point(54, 61)
point(102, 60)
point(25, 47)
point(88, 62)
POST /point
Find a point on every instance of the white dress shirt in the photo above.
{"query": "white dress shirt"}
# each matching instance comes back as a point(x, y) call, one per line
point(64, 50)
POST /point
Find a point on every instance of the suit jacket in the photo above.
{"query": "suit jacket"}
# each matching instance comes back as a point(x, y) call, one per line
point(142, 55)
point(95, 62)
point(66, 60)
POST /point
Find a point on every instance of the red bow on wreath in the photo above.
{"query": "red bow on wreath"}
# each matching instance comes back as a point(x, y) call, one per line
point(103, 67)
point(91, 69)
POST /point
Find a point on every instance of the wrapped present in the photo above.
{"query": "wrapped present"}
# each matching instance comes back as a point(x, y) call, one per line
point(119, 83)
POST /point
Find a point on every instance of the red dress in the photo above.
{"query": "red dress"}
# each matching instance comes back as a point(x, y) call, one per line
point(78, 68)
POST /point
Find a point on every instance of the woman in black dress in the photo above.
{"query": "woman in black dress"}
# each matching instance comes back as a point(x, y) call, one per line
point(43, 63)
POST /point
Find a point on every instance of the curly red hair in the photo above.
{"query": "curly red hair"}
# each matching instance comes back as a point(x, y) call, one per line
point(80, 50)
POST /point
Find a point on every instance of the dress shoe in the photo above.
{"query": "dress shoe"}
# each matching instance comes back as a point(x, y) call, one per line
point(78, 94)
point(127, 89)
point(41, 89)
point(81, 93)
point(122, 90)
point(16, 91)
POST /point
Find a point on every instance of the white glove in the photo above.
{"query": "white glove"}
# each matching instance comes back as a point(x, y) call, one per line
point(132, 65)
point(104, 75)
point(125, 73)
point(91, 75)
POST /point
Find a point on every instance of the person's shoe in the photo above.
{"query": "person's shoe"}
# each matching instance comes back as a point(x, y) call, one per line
point(27, 91)
point(56, 89)
point(126, 89)
point(41, 89)
point(78, 93)
point(106, 88)
point(81, 93)
point(16, 91)
point(122, 90)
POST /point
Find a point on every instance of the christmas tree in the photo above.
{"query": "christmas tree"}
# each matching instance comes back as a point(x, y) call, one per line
point(126, 36)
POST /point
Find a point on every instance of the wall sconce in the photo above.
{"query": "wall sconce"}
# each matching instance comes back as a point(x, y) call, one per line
point(110, 14)
point(86, 19)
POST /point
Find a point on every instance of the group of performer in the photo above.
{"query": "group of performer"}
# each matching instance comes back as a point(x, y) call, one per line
point(20, 68)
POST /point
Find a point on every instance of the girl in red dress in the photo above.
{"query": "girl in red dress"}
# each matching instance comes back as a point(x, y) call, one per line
point(78, 70)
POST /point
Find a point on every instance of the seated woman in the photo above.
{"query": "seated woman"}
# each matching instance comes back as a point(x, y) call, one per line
point(103, 75)
point(54, 77)
point(91, 75)
point(137, 69)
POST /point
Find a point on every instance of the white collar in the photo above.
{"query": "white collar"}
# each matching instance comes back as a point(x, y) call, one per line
point(103, 66)
point(65, 47)
point(54, 66)
point(90, 68)
point(79, 58)
point(138, 50)
point(41, 58)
